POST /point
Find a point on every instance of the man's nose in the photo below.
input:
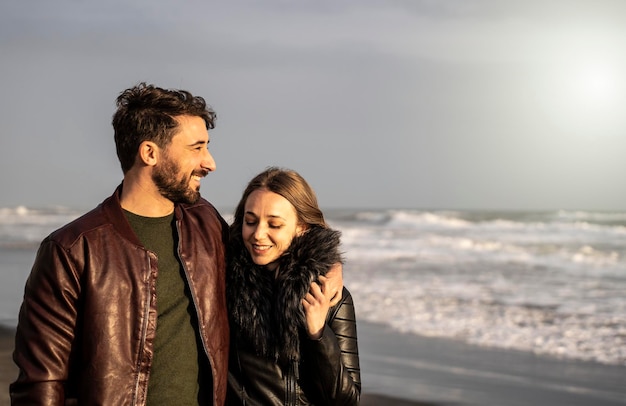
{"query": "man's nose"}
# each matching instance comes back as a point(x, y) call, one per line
point(208, 162)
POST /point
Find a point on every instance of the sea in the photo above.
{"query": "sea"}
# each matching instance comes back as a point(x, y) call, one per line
point(552, 283)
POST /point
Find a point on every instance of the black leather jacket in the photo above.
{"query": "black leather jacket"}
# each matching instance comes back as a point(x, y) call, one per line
point(88, 319)
point(266, 366)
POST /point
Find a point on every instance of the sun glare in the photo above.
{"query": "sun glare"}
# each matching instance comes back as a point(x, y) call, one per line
point(596, 84)
point(584, 97)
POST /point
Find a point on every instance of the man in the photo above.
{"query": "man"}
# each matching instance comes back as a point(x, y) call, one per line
point(126, 305)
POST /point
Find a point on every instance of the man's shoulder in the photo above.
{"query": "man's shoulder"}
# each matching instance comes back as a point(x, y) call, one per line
point(78, 225)
point(93, 220)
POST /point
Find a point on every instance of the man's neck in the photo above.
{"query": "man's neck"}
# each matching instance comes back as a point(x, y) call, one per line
point(143, 198)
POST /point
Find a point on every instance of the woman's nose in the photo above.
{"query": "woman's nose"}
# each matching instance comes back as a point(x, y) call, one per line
point(260, 231)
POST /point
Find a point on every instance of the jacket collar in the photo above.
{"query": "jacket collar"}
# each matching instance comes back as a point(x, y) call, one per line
point(112, 209)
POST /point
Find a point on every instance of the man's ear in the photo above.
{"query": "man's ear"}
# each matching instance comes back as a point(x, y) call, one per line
point(148, 153)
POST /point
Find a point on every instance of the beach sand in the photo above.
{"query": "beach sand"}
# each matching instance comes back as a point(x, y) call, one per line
point(407, 370)
point(8, 371)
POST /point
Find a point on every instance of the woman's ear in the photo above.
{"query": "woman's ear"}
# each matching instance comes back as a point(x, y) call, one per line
point(301, 229)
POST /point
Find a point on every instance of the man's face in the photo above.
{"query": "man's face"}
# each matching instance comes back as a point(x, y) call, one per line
point(184, 162)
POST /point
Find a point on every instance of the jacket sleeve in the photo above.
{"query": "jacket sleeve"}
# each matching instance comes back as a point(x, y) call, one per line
point(335, 356)
point(45, 330)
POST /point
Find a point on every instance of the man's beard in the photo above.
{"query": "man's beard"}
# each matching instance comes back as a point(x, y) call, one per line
point(176, 190)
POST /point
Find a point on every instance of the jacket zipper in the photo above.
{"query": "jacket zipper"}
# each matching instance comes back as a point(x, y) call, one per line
point(144, 331)
point(195, 305)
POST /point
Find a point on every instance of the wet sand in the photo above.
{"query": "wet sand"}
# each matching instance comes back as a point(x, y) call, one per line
point(8, 371)
point(448, 372)
point(407, 370)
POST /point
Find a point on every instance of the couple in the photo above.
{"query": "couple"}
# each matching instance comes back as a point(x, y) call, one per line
point(132, 303)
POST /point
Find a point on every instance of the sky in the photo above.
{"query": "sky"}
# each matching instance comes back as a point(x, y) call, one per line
point(419, 104)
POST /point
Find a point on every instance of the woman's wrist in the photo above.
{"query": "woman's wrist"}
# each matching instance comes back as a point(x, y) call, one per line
point(318, 335)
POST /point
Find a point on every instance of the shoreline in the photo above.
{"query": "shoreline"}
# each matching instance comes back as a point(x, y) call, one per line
point(444, 371)
point(407, 370)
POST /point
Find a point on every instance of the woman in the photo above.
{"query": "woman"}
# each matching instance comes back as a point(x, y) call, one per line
point(288, 345)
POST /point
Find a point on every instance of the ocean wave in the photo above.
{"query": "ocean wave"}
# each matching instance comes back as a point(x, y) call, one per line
point(550, 283)
point(426, 219)
point(451, 249)
point(21, 224)
point(602, 218)
point(540, 329)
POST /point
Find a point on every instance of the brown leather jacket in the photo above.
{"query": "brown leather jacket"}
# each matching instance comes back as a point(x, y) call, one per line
point(88, 320)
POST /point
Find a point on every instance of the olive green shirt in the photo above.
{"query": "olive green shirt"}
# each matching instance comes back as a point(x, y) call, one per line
point(178, 364)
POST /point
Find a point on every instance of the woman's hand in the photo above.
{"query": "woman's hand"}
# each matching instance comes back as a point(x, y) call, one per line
point(316, 304)
point(332, 283)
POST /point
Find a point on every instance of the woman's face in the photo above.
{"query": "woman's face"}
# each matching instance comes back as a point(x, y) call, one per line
point(269, 225)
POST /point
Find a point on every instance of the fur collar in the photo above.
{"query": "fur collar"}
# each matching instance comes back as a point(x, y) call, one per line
point(266, 312)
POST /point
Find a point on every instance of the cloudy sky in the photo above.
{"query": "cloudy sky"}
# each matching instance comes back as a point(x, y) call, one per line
point(459, 104)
